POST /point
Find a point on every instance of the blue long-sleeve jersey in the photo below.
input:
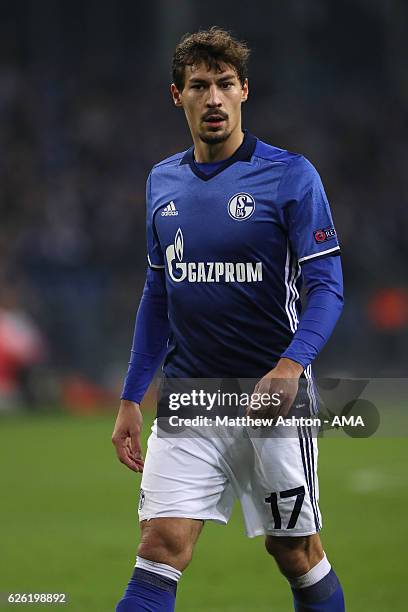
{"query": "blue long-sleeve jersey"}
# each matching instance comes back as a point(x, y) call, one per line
point(231, 248)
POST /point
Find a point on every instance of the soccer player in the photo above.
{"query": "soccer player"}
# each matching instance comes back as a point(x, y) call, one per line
point(234, 227)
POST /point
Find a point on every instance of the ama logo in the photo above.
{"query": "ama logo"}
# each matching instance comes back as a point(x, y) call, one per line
point(241, 206)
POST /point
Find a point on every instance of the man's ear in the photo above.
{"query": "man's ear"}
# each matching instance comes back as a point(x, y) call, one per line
point(176, 95)
point(245, 91)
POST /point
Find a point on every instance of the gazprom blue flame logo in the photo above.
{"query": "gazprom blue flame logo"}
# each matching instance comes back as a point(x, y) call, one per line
point(178, 270)
point(208, 271)
point(179, 244)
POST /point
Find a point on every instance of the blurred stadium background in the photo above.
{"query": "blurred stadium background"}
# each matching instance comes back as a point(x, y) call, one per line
point(84, 113)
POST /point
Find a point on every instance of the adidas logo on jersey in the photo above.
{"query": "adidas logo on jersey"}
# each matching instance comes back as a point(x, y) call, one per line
point(170, 210)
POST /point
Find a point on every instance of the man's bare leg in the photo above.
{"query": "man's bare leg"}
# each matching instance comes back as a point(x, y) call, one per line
point(165, 549)
point(314, 584)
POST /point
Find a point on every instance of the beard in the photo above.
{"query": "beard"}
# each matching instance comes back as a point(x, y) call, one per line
point(215, 137)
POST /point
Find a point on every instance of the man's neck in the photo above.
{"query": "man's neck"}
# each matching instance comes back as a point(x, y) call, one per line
point(207, 153)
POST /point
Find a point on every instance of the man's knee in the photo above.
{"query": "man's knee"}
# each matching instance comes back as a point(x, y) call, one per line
point(169, 541)
point(295, 556)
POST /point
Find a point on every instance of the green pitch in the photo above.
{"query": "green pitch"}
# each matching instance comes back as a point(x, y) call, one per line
point(68, 516)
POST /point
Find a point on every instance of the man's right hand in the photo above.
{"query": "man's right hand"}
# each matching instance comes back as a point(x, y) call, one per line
point(126, 435)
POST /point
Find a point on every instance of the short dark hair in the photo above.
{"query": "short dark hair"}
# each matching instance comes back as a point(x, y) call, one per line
point(213, 46)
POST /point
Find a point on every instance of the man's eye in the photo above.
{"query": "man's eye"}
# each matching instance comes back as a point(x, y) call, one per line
point(227, 85)
point(197, 86)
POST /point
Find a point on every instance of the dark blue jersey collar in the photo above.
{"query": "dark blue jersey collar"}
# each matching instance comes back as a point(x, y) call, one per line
point(243, 153)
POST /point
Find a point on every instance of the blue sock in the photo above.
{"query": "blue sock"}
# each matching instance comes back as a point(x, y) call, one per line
point(148, 592)
point(323, 596)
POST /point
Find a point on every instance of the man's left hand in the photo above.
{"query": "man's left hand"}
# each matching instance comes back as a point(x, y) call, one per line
point(282, 381)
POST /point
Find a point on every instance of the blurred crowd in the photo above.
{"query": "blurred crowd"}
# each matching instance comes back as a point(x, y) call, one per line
point(79, 133)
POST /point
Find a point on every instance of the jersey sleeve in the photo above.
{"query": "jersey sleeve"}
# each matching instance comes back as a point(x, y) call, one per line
point(154, 252)
point(149, 338)
point(323, 279)
point(308, 218)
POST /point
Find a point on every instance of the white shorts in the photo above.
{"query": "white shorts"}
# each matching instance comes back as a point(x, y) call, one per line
point(274, 479)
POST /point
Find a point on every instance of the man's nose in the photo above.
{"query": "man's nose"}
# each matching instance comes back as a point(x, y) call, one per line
point(213, 97)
